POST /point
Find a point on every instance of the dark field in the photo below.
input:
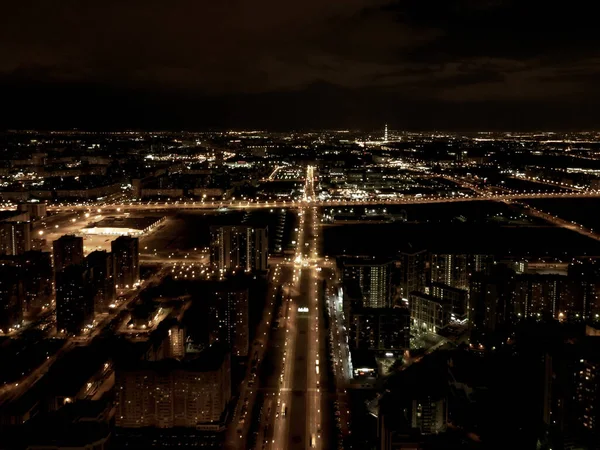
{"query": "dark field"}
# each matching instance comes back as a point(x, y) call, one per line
point(580, 210)
point(526, 186)
point(502, 241)
point(468, 212)
point(191, 230)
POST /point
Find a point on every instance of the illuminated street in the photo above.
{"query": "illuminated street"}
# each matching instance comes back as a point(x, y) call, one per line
point(237, 434)
point(405, 200)
point(293, 414)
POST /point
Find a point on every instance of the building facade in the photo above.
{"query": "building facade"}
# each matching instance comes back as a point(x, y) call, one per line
point(373, 278)
point(126, 254)
point(227, 319)
point(429, 314)
point(15, 237)
point(100, 272)
point(236, 303)
point(171, 393)
point(380, 329)
point(412, 266)
point(67, 250)
point(239, 247)
point(11, 299)
point(459, 299)
point(74, 300)
point(450, 269)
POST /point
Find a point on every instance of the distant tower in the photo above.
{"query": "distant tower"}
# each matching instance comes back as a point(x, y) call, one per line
point(385, 133)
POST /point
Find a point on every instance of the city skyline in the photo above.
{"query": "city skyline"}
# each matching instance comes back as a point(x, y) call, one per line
point(301, 225)
point(269, 291)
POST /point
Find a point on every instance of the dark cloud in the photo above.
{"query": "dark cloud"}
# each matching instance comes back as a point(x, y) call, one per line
point(286, 59)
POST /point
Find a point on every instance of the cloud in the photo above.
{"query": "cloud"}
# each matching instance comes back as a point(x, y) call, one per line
point(455, 51)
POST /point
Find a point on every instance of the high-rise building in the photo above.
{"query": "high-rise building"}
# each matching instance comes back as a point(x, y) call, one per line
point(33, 272)
point(457, 297)
point(36, 210)
point(584, 277)
point(385, 133)
point(571, 393)
point(551, 295)
point(450, 269)
point(405, 415)
point(74, 300)
point(537, 295)
point(261, 249)
point(379, 329)
point(374, 280)
point(191, 393)
point(429, 314)
point(239, 247)
point(392, 435)
point(175, 342)
point(100, 272)
point(11, 299)
point(234, 304)
point(481, 263)
point(36, 275)
point(491, 298)
point(430, 416)
point(67, 250)
point(412, 269)
point(588, 394)
point(226, 318)
point(15, 237)
point(126, 254)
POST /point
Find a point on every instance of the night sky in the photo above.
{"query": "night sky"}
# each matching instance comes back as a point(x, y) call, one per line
point(277, 64)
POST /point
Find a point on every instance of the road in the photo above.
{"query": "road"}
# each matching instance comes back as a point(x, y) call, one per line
point(552, 183)
point(281, 425)
point(511, 199)
point(148, 258)
point(559, 222)
point(315, 337)
point(274, 173)
point(406, 200)
point(296, 413)
point(340, 354)
point(276, 388)
point(338, 335)
point(236, 436)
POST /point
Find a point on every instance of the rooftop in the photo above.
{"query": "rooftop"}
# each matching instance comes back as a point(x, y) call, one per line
point(136, 223)
point(208, 360)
